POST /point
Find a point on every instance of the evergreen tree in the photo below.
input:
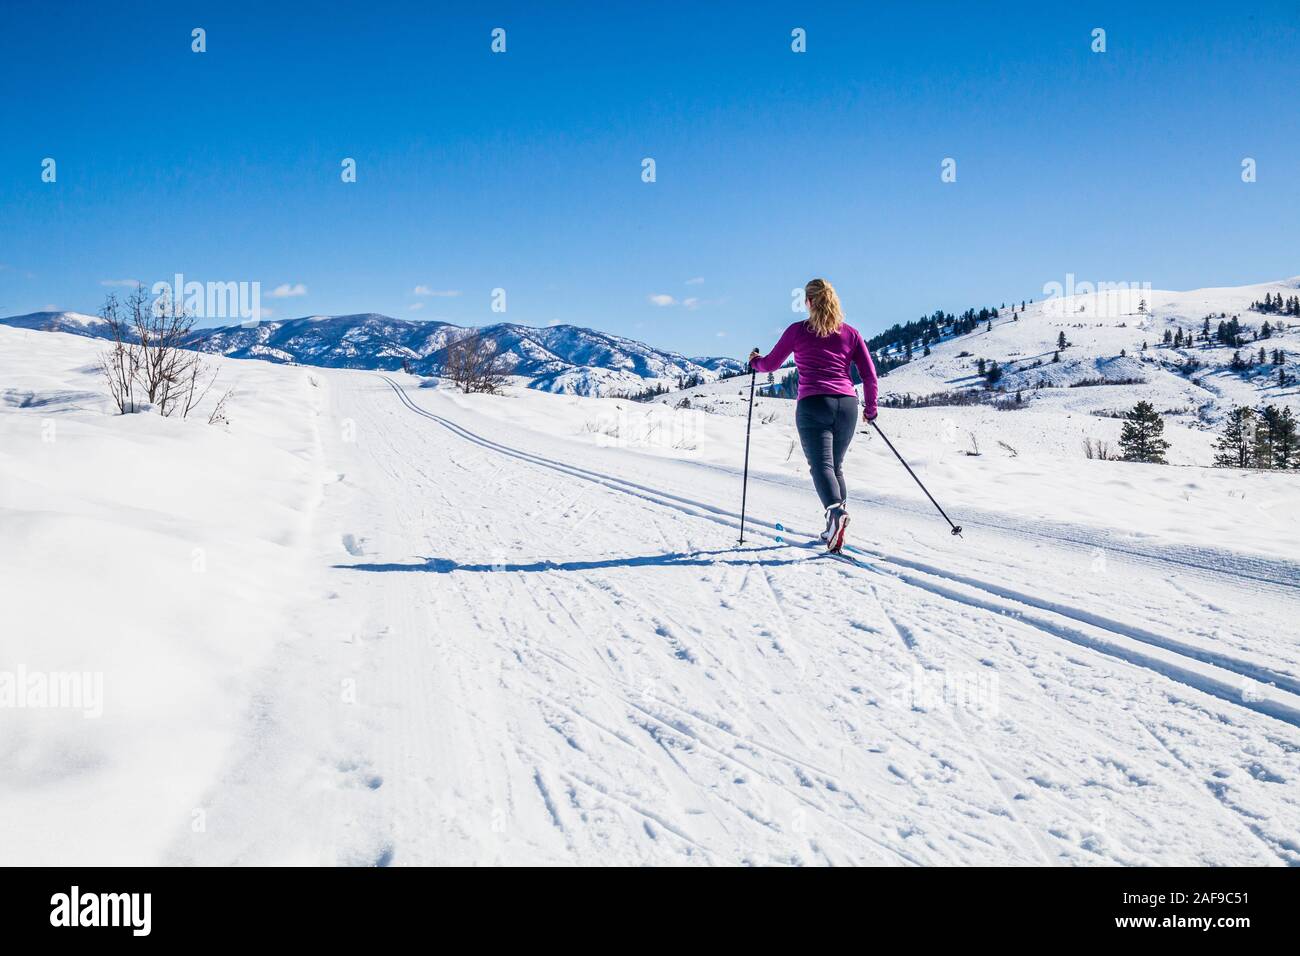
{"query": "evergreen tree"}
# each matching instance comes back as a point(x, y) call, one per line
point(1141, 439)
point(1060, 341)
point(1286, 443)
point(1234, 445)
point(1276, 443)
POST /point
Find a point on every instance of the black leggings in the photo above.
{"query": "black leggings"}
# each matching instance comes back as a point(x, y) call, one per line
point(826, 425)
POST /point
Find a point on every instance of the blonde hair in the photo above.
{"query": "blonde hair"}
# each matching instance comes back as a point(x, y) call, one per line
point(824, 313)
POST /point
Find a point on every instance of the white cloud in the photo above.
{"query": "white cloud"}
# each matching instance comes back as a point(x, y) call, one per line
point(439, 293)
point(286, 291)
point(664, 301)
point(698, 280)
point(267, 312)
point(415, 306)
point(126, 283)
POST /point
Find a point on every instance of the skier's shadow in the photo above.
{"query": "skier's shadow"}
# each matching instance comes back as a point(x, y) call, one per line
point(672, 559)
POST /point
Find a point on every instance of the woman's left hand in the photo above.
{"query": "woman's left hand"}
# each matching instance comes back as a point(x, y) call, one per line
point(754, 355)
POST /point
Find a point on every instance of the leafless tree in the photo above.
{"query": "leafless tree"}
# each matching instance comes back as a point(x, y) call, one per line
point(474, 364)
point(148, 360)
point(120, 362)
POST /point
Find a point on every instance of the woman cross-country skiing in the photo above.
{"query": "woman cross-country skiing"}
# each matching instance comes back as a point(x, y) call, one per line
point(826, 413)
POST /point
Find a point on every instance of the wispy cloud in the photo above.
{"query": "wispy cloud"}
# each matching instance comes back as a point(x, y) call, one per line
point(663, 300)
point(287, 291)
point(416, 306)
point(123, 283)
point(698, 280)
point(439, 293)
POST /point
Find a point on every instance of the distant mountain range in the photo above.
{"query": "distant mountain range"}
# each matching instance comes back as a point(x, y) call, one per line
point(559, 358)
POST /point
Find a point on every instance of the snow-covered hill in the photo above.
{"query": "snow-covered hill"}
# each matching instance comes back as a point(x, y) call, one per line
point(371, 623)
point(1119, 337)
point(74, 323)
point(560, 358)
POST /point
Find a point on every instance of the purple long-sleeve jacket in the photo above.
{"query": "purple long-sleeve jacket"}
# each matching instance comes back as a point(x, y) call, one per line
point(823, 362)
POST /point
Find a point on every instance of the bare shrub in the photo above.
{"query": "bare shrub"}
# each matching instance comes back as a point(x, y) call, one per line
point(147, 360)
point(1096, 449)
point(474, 365)
point(120, 362)
point(219, 416)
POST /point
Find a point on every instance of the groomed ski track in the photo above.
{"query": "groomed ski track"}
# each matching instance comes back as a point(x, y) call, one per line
point(559, 655)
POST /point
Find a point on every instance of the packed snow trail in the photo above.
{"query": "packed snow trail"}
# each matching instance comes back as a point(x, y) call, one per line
point(536, 651)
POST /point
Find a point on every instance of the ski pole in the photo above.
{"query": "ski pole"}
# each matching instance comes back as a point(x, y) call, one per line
point(956, 528)
point(744, 483)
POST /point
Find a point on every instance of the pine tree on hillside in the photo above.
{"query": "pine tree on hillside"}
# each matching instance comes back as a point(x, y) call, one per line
point(1060, 341)
point(1276, 444)
point(1141, 437)
point(1286, 442)
point(1234, 446)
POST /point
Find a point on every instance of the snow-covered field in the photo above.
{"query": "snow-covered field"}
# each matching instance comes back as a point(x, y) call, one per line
point(374, 623)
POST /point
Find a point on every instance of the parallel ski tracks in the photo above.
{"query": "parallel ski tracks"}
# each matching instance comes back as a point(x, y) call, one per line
point(1241, 683)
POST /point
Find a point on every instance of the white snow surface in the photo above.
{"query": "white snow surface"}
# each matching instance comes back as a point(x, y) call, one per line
point(369, 623)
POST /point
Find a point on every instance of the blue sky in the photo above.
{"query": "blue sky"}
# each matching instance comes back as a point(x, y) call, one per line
point(523, 170)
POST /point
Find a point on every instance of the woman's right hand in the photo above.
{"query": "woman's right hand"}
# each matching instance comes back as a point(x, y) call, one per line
point(754, 355)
